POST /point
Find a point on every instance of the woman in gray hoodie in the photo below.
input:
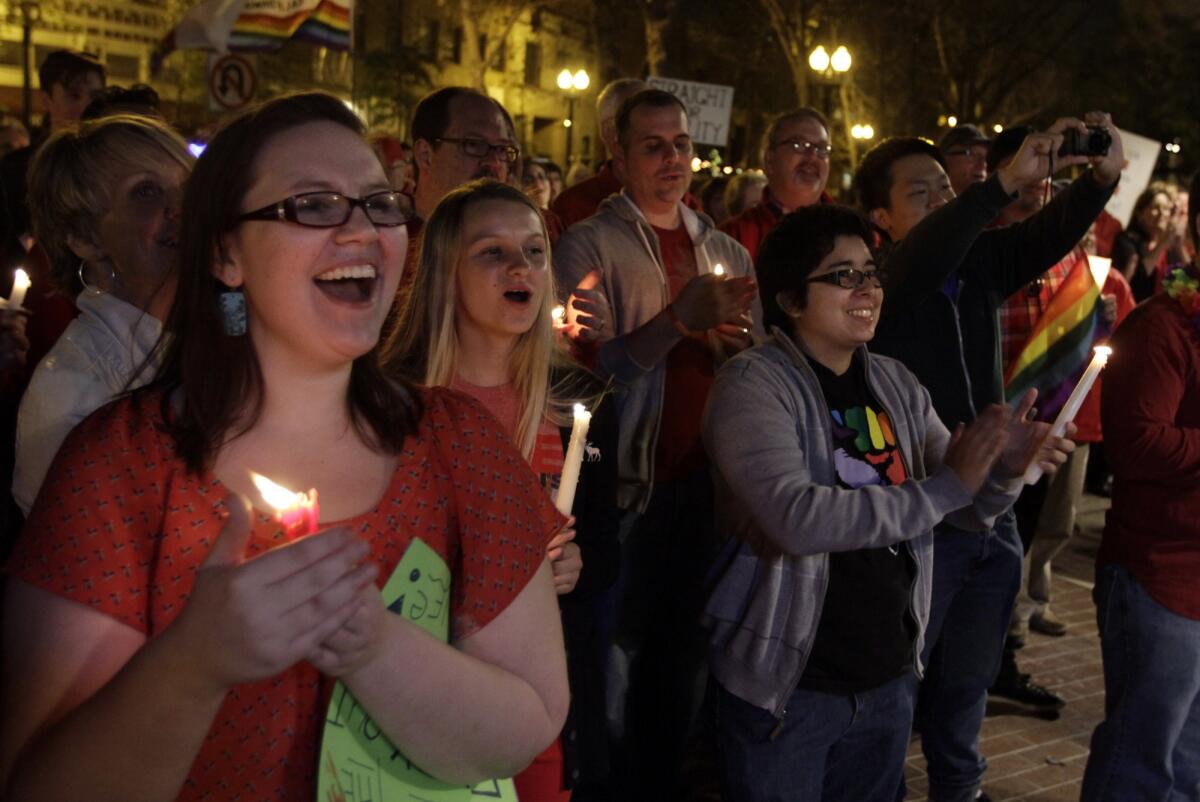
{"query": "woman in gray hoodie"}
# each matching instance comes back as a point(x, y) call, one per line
point(832, 469)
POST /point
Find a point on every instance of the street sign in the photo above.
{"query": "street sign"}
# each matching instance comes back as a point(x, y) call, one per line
point(232, 81)
point(708, 105)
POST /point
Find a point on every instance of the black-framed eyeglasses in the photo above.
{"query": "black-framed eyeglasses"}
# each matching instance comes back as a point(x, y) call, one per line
point(388, 209)
point(849, 278)
point(819, 149)
point(481, 149)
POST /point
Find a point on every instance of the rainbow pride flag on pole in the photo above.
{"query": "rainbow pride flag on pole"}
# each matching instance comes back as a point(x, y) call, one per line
point(1060, 345)
point(260, 26)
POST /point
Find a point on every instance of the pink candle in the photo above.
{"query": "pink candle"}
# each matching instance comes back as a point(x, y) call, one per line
point(298, 512)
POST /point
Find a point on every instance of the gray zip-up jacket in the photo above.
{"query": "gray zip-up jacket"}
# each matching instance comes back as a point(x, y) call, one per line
point(619, 243)
point(768, 434)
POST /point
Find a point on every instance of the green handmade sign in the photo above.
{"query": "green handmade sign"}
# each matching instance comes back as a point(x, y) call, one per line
point(358, 762)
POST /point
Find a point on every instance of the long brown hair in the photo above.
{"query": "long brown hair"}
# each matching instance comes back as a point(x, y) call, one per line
point(219, 375)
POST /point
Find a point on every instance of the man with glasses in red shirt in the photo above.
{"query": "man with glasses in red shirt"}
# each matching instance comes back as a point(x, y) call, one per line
point(795, 156)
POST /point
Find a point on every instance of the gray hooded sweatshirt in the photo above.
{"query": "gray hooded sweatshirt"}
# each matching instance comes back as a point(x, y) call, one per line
point(619, 243)
point(768, 434)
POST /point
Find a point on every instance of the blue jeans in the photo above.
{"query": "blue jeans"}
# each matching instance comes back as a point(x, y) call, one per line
point(829, 747)
point(976, 576)
point(1148, 746)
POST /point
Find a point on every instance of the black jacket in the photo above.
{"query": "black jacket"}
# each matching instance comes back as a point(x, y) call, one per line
point(597, 518)
point(953, 346)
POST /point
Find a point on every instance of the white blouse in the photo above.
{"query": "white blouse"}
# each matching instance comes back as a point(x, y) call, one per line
point(89, 365)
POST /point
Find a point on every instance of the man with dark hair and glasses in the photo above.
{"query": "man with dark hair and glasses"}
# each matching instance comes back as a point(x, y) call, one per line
point(795, 158)
point(642, 283)
point(459, 134)
point(949, 278)
point(831, 470)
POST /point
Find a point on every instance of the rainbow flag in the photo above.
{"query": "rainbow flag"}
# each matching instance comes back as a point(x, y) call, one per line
point(1060, 344)
point(259, 26)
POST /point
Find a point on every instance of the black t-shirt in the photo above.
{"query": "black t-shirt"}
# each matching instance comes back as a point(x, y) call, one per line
point(866, 632)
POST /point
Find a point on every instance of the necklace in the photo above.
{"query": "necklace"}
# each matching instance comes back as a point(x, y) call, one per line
point(1184, 287)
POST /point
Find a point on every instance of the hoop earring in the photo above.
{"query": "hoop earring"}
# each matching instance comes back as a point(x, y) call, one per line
point(232, 304)
point(112, 277)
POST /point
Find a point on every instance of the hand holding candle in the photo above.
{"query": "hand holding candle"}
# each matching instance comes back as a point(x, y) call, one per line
point(21, 284)
point(565, 499)
point(298, 512)
point(1074, 402)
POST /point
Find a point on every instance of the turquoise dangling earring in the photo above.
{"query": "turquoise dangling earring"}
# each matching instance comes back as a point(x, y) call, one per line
point(232, 303)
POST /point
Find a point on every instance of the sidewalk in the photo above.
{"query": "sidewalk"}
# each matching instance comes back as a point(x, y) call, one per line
point(1032, 759)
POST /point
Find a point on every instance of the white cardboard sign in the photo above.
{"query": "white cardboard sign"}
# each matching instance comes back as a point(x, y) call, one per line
point(1141, 154)
point(708, 105)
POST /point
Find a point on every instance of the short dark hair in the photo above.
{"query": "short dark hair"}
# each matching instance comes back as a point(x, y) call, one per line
point(137, 99)
point(431, 118)
point(654, 98)
point(795, 115)
point(873, 178)
point(795, 247)
point(64, 66)
point(383, 412)
point(1194, 209)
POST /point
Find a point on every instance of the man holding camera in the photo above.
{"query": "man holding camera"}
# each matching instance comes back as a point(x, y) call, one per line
point(949, 278)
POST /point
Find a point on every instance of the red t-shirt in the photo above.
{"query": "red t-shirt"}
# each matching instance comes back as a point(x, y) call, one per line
point(122, 527)
point(503, 402)
point(689, 373)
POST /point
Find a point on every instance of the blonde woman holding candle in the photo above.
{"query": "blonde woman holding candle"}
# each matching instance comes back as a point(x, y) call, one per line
point(479, 321)
point(163, 641)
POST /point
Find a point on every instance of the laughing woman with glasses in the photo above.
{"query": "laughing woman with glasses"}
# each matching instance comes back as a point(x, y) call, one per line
point(831, 470)
point(164, 639)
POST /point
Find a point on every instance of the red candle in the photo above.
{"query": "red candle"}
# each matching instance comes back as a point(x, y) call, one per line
point(298, 512)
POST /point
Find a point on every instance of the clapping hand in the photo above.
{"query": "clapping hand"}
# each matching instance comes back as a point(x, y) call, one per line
point(1030, 442)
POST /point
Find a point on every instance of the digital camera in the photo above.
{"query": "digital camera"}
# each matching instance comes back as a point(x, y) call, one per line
point(1095, 142)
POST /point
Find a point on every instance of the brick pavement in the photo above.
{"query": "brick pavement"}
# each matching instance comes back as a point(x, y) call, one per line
point(1031, 759)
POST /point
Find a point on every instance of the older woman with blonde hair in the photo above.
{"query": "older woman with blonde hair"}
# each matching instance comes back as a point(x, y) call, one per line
point(105, 200)
point(479, 321)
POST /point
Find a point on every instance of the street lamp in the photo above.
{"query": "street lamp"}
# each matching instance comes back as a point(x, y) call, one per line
point(840, 60)
point(818, 60)
point(572, 83)
point(864, 131)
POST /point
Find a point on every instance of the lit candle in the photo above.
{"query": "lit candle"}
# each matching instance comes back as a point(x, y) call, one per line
point(298, 512)
point(574, 459)
point(1074, 402)
point(21, 284)
point(558, 313)
point(719, 270)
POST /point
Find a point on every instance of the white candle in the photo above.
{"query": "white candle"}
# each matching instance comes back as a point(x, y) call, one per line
point(21, 284)
point(565, 499)
point(557, 315)
point(1074, 402)
point(719, 270)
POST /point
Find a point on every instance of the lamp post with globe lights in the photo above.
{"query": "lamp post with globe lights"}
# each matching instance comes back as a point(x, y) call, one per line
point(572, 84)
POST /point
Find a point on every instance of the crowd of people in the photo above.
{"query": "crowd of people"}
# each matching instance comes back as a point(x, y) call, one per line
point(802, 533)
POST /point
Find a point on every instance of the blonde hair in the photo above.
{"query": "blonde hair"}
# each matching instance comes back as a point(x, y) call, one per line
point(423, 345)
point(75, 172)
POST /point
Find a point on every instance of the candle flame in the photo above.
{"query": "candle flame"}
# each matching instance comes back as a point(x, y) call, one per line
point(276, 495)
point(558, 313)
point(21, 279)
point(719, 270)
point(581, 413)
point(1104, 352)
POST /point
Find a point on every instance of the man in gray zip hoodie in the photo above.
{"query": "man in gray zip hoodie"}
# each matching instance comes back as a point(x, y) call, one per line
point(832, 469)
point(661, 316)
